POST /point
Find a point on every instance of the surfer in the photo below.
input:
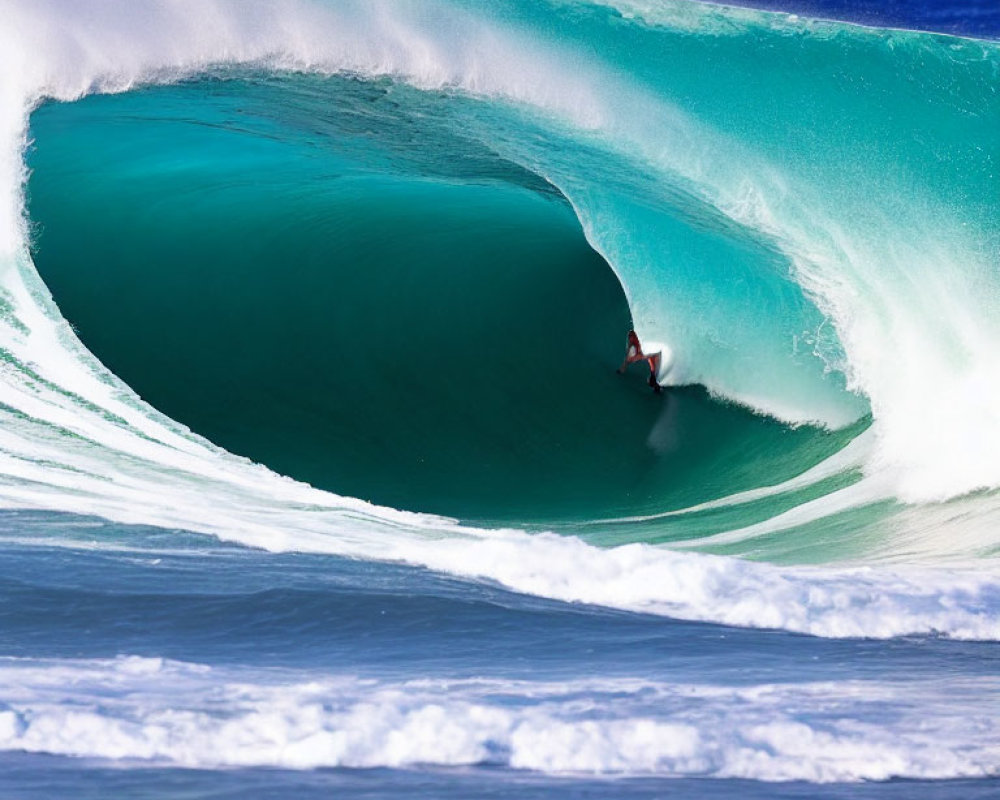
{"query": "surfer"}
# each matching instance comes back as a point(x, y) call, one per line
point(633, 353)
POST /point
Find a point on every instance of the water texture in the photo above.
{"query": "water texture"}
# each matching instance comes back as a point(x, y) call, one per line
point(316, 475)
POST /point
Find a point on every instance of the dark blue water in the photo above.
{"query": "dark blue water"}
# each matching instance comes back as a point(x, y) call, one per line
point(24, 777)
point(978, 18)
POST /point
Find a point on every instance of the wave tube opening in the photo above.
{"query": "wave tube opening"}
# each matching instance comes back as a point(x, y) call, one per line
point(323, 276)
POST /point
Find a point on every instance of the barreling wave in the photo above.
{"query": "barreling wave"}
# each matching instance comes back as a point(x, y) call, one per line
point(799, 248)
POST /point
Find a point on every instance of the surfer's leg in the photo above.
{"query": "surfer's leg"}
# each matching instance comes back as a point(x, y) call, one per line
point(654, 371)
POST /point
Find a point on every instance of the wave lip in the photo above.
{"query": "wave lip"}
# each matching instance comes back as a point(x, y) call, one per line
point(191, 715)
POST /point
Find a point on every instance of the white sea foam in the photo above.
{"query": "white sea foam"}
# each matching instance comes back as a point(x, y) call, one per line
point(191, 715)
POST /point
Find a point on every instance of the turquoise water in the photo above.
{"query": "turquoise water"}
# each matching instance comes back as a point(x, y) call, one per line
point(413, 321)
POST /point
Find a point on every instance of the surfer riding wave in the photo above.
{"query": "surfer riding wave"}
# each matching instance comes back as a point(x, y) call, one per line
point(634, 352)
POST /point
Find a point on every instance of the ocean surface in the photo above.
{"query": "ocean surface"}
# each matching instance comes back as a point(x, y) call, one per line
point(978, 18)
point(316, 475)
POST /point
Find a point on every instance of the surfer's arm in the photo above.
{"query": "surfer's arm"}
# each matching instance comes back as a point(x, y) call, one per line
point(632, 354)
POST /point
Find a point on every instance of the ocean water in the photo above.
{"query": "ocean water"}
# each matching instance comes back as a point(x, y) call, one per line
point(316, 476)
point(979, 18)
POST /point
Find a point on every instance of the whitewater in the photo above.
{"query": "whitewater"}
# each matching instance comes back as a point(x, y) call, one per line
point(254, 523)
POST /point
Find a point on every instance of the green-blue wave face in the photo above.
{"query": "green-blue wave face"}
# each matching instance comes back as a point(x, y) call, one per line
point(324, 276)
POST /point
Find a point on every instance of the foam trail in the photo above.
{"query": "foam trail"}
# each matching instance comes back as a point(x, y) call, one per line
point(851, 456)
point(191, 715)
